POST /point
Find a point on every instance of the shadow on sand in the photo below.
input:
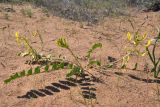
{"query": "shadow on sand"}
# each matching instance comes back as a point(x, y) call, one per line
point(139, 79)
point(86, 83)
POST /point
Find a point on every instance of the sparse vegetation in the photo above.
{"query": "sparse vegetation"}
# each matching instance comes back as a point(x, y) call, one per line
point(137, 40)
point(27, 12)
point(6, 16)
point(115, 58)
point(49, 64)
point(155, 60)
point(88, 10)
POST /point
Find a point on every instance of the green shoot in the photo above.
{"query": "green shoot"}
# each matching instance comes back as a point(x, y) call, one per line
point(90, 52)
point(156, 66)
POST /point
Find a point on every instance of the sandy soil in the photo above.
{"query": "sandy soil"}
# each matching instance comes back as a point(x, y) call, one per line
point(117, 88)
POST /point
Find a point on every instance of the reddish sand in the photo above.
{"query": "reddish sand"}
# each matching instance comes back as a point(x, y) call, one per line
point(118, 88)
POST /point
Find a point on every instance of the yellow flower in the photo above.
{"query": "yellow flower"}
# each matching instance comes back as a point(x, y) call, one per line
point(148, 44)
point(17, 37)
point(129, 36)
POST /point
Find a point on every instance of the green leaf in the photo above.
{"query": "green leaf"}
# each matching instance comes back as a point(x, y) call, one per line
point(70, 66)
point(46, 68)
point(61, 65)
point(75, 71)
point(15, 76)
point(61, 42)
point(95, 46)
point(95, 62)
point(29, 72)
point(22, 73)
point(54, 66)
point(71, 73)
point(7, 81)
point(109, 65)
point(37, 70)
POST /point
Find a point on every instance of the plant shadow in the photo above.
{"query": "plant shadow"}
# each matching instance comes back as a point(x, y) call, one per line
point(145, 80)
point(86, 83)
point(139, 79)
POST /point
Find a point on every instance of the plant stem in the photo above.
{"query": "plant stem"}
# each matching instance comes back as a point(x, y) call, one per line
point(153, 59)
point(75, 57)
point(150, 56)
point(153, 51)
point(79, 64)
